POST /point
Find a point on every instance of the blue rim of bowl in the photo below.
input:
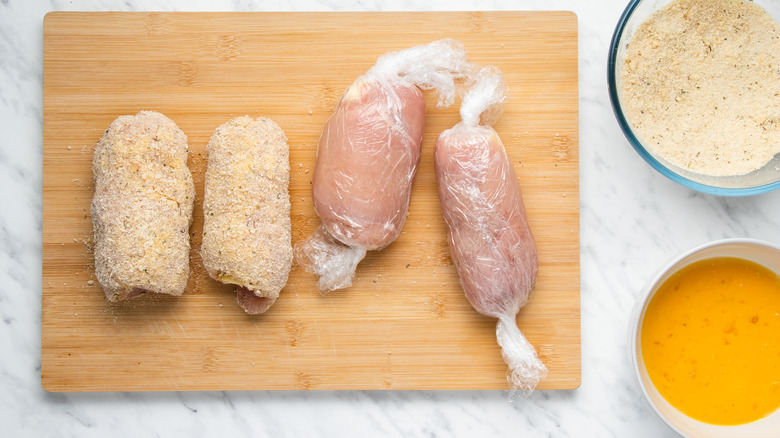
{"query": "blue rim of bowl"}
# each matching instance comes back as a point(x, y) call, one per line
point(637, 145)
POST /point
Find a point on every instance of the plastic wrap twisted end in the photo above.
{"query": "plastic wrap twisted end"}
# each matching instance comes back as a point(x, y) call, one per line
point(439, 66)
point(526, 370)
point(483, 102)
point(332, 261)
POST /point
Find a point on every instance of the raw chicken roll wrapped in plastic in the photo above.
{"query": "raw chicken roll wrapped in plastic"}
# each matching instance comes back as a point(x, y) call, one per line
point(368, 155)
point(489, 237)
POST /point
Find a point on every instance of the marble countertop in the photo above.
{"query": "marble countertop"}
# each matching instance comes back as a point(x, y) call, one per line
point(633, 220)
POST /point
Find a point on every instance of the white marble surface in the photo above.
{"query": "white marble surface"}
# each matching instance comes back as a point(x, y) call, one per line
point(632, 221)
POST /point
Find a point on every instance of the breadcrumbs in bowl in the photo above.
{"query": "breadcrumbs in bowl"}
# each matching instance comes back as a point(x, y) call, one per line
point(695, 87)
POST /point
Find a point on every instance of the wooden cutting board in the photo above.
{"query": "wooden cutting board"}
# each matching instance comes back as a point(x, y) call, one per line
point(405, 323)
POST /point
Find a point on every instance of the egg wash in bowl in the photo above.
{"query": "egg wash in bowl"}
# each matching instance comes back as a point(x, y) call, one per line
point(710, 340)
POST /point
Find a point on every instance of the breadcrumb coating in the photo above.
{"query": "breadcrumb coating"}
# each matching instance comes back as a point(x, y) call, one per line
point(142, 207)
point(246, 206)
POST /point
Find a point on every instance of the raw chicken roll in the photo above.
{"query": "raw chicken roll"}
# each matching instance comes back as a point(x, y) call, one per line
point(368, 155)
point(142, 207)
point(246, 207)
point(489, 237)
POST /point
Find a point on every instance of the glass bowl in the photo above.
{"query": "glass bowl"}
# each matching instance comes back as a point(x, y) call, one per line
point(762, 253)
point(760, 181)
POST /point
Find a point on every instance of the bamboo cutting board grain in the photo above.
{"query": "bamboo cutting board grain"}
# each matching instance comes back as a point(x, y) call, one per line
point(405, 323)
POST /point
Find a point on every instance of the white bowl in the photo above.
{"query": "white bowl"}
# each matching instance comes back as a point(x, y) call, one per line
point(765, 254)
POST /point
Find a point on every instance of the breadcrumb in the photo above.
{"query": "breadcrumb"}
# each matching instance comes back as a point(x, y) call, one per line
point(701, 85)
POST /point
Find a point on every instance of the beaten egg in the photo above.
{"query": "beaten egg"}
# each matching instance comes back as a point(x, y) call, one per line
point(710, 341)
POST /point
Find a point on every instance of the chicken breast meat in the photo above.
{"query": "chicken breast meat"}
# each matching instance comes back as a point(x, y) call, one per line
point(367, 159)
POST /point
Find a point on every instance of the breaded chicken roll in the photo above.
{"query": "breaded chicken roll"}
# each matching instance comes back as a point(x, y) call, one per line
point(142, 207)
point(246, 206)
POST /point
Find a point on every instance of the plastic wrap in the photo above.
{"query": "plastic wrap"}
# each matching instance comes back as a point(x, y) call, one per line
point(368, 155)
point(490, 241)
